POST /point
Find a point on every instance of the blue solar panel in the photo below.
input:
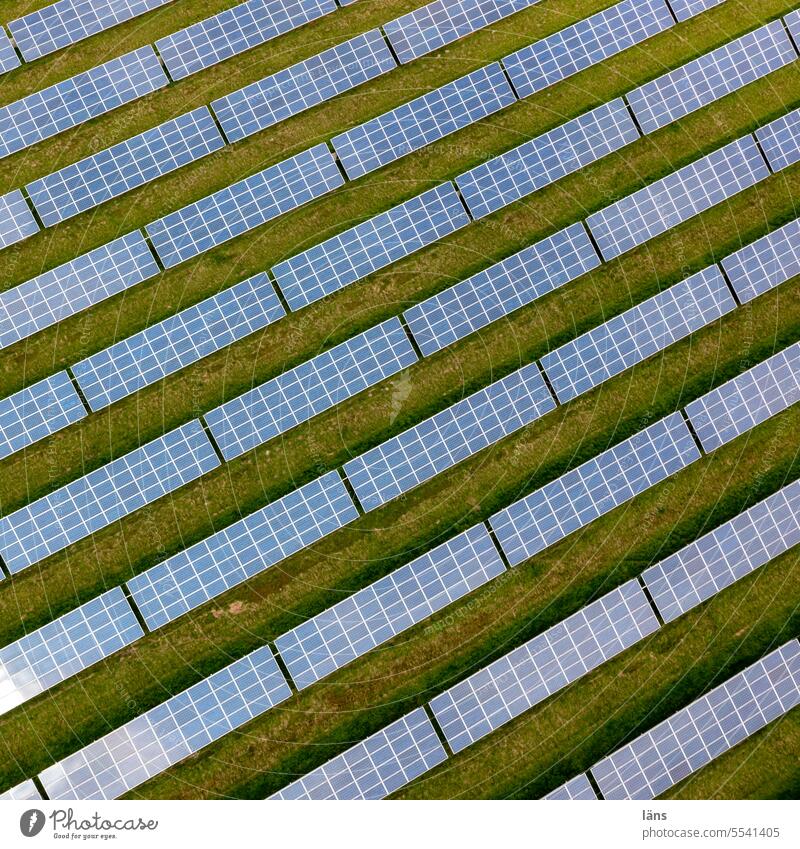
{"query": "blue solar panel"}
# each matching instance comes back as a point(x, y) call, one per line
point(301, 86)
point(247, 204)
point(233, 31)
point(712, 76)
point(578, 497)
point(577, 788)
point(444, 21)
point(436, 444)
point(16, 219)
point(502, 288)
point(685, 9)
point(637, 334)
point(71, 102)
point(170, 732)
point(386, 608)
point(105, 495)
point(793, 24)
point(678, 197)
point(37, 411)
point(547, 158)
point(371, 245)
point(68, 21)
point(780, 141)
point(178, 341)
point(311, 388)
point(123, 167)
point(585, 43)
point(65, 647)
point(70, 288)
point(21, 793)
point(243, 549)
point(749, 399)
point(8, 56)
point(423, 121)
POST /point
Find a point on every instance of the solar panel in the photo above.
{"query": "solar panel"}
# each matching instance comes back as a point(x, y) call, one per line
point(38, 411)
point(170, 732)
point(244, 205)
point(547, 158)
point(766, 263)
point(453, 435)
point(386, 608)
point(301, 86)
point(638, 333)
point(577, 788)
point(526, 676)
point(719, 558)
point(8, 61)
point(444, 21)
point(125, 166)
point(793, 24)
point(311, 388)
point(21, 793)
point(677, 197)
point(380, 765)
point(500, 289)
point(711, 77)
point(65, 647)
point(780, 141)
point(16, 219)
point(371, 245)
point(98, 499)
point(749, 399)
point(233, 31)
point(701, 732)
point(69, 21)
point(243, 549)
point(74, 101)
point(685, 9)
point(178, 341)
point(422, 121)
point(585, 43)
point(597, 486)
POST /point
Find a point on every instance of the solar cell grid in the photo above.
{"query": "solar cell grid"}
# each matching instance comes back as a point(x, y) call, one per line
point(391, 605)
point(243, 549)
point(21, 793)
point(310, 388)
point(780, 141)
point(550, 661)
point(685, 9)
point(98, 499)
point(370, 246)
point(577, 788)
point(16, 219)
point(170, 732)
point(8, 58)
point(447, 438)
point(694, 736)
point(376, 767)
point(597, 486)
point(793, 24)
point(547, 158)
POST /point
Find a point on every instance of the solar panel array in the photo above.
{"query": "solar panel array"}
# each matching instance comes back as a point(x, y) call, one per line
point(233, 31)
point(578, 497)
point(500, 289)
point(8, 61)
point(447, 438)
point(712, 76)
point(371, 245)
point(585, 43)
point(545, 159)
point(577, 788)
point(164, 348)
point(243, 549)
point(423, 121)
point(72, 287)
point(749, 399)
point(71, 102)
point(170, 732)
point(719, 558)
point(793, 24)
point(694, 736)
point(677, 197)
point(780, 141)
point(16, 219)
point(244, 205)
point(376, 767)
point(65, 647)
point(310, 388)
point(638, 333)
point(391, 605)
point(123, 167)
point(529, 674)
point(38, 411)
point(96, 500)
point(303, 85)
point(685, 9)
point(21, 793)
